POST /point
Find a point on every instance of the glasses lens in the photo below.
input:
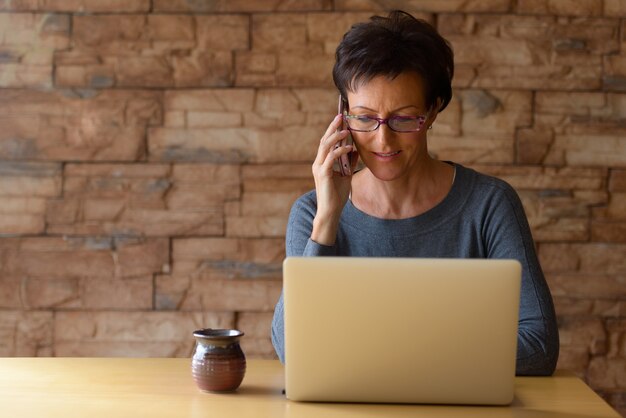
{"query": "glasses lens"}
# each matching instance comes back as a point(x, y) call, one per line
point(406, 123)
point(361, 123)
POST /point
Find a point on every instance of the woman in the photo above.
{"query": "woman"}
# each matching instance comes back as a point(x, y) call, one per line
point(395, 73)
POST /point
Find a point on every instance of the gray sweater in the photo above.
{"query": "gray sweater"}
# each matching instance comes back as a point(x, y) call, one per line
point(481, 217)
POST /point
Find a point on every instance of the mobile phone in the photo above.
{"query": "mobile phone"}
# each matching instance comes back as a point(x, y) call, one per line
point(345, 164)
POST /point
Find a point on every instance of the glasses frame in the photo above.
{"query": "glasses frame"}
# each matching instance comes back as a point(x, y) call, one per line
point(385, 121)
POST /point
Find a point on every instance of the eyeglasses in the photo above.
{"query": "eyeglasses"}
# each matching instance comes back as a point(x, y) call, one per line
point(395, 123)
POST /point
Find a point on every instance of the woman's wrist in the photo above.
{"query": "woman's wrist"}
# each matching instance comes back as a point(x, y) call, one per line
point(325, 230)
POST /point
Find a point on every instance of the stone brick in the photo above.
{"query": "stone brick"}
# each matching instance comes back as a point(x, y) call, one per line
point(587, 333)
point(293, 49)
point(256, 342)
point(574, 359)
point(210, 100)
point(228, 258)
point(29, 180)
point(608, 231)
point(471, 149)
point(564, 229)
point(10, 291)
point(532, 145)
point(27, 46)
point(587, 285)
point(80, 6)
point(234, 145)
point(137, 257)
point(566, 306)
point(276, 32)
point(148, 199)
point(24, 188)
point(279, 185)
point(214, 294)
point(19, 215)
point(487, 125)
point(614, 209)
point(556, 257)
point(222, 32)
point(557, 216)
point(217, 119)
point(297, 68)
point(270, 118)
point(609, 308)
point(615, 73)
point(617, 330)
point(253, 173)
point(494, 112)
point(582, 8)
point(271, 204)
point(255, 68)
point(546, 178)
point(152, 50)
point(574, 119)
point(588, 150)
point(617, 400)
point(327, 30)
point(567, 112)
point(150, 223)
point(586, 258)
point(230, 6)
point(49, 257)
point(203, 187)
point(491, 6)
point(87, 293)
point(267, 199)
point(26, 334)
point(606, 373)
point(256, 226)
point(448, 122)
point(615, 8)
point(132, 334)
point(583, 107)
point(528, 52)
point(617, 181)
point(181, 349)
point(65, 125)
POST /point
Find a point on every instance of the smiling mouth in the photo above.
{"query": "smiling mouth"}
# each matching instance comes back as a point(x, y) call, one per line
point(387, 154)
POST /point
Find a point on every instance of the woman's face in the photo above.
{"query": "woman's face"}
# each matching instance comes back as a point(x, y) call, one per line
point(391, 155)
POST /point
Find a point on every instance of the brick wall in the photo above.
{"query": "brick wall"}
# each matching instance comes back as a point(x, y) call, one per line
point(150, 152)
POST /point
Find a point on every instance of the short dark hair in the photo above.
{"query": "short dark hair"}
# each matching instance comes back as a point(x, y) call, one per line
point(389, 46)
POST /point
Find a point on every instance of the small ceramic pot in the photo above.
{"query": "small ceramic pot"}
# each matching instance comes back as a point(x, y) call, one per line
point(218, 364)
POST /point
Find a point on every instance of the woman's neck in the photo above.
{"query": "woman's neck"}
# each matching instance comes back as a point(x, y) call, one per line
point(404, 197)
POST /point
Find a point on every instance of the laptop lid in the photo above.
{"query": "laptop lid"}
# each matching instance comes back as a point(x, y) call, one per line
point(400, 330)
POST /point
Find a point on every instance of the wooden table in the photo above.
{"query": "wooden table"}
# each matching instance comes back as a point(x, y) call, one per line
point(132, 387)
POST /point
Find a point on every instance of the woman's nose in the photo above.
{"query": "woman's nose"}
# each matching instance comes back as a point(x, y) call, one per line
point(384, 134)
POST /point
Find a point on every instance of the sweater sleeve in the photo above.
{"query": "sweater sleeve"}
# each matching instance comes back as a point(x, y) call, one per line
point(507, 235)
point(298, 242)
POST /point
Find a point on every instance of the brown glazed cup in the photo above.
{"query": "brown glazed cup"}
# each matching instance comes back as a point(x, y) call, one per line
point(218, 364)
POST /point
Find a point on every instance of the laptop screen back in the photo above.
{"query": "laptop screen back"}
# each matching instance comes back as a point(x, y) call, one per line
point(401, 330)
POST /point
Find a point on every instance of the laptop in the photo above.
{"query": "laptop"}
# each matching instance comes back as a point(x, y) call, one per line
point(401, 330)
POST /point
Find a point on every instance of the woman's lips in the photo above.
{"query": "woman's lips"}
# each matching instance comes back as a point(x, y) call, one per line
point(386, 155)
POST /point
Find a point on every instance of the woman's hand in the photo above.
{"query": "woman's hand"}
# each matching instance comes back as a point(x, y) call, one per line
point(332, 189)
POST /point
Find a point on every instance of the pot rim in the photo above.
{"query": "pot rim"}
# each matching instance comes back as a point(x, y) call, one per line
point(218, 333)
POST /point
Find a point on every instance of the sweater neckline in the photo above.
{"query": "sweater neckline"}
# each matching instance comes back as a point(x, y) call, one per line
point(451, 204)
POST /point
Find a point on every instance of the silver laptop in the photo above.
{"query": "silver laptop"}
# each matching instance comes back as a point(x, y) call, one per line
point(401, 330)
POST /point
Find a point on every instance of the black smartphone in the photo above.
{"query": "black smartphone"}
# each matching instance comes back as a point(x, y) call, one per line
point(345, 164)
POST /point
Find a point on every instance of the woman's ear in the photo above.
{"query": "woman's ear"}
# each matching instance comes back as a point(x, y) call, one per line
point(439, 104)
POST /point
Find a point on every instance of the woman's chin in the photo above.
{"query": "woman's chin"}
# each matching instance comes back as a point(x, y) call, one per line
point(386, 173)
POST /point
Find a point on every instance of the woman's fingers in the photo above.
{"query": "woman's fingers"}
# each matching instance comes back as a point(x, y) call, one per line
point(327, 143)
point(334, 125)
point(334, 155)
